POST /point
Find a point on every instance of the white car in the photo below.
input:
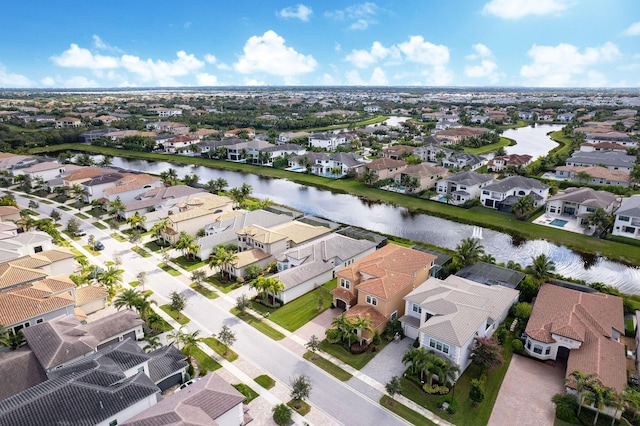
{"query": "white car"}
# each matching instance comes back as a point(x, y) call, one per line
point(80, 233)
point(186, 384)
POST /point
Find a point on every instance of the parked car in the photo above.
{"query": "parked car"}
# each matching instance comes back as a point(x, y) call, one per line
point(98, 245)
point(80, 233)
point(186, 384)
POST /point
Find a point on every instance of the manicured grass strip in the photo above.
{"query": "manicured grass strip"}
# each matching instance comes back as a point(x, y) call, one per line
point(91, 250)
point(81, 216)
point(220, 349)
point(205, 362)
point(304, 407)
point(265, 381)
point(153, 246)
point(118, 237)
point(258, 325)
point(98, 225)
point(65, 208)
point(188, 265)
point(300, 311)
point(209, 294)
point(248, 393)
point(222, 285)
point(405, 412)
point(356, 361)
point(142, 252)
point(168, 269)
point(134, 284)
point(161, 326)
point(173, 314)
point(327, 366)
point(46, 202)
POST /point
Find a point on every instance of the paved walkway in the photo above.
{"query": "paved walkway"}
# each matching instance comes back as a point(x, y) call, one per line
point(525, 396)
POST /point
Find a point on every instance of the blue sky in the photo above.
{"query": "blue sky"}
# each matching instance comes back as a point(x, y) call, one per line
point(123, 43)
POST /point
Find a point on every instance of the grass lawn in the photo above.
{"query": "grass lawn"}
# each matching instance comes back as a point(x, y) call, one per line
point(98, 225)
point(142, 252)
point(304, 407)
point(161, 327)
point(65, 208)
point(220, 349)
point(205, 362)
point(81, 216)
point(46, 202)
point(118, 237)
point(265, 381)
point(300, 311)
point(188, 265)
point(327, 366)
point(153, 246)
point(356, 361)
point(204, 291)
point(248, 393)
point(168, 269)
point(91, 250)
point(134, 284)
point(221, 284)
point(405, 412)
point(467, 414)
point(258, 325)
point(173, 314)
point(489, 148)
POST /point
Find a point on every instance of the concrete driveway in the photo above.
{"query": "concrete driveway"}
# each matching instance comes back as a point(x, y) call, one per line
point(525, 395)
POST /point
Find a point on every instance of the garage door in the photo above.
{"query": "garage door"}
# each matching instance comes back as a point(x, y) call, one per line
point(170, 381)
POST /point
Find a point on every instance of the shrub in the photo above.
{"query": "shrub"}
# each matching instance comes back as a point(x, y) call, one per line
point(416, 343)
point(281, 414)
point(435, 390)
point(517, 346)
point(190, 370)
point(477, 391)
point(376, 339)
point(566, 407)
point(358, 348)
point(501, 333)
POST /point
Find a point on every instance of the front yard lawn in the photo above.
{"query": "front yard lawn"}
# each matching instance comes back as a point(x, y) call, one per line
point(405, 412)
point(65, 208)
point(153, 246)
point(265, 381)
point(187, 264)
point(221, 284)
point(248, 393)
point(209, 294)
point(220, 349)
point(82, 216)
point(142, 252)
point(300, 311)
point(205, 362)
point(258, 325)
point(98, 225)
point(168, 269)
point(356, 361)
point(327, 366)
point(173, 314)
point(118, 237)
point(304, 407)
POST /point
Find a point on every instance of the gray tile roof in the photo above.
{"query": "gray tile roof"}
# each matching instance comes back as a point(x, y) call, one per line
point(165, 361)
point(488, 274)
point(586, 196)
point(512, 182)
point(630, 206)
point(469, 178)
point(114, 324)
point(607, 158)
point(19, 370)
point(292, 277)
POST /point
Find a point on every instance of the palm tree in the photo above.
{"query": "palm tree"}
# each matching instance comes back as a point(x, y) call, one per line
point(127, 298)
point(191, 180)
point(417, 358)
point(447, 373)
point(274, 286)
point(582, 176)
point(153, 343)
point(344, 327)
point(222, 257)
point(581, 383)
point(468, 251)
point(237, 196)
point(116, 207)
point(600, 219)
point(110, 278)
point(159, 227)
point(361, 325)
point(369, 177)
point(523, 206)
point(246, 190)
point(189, 342)
point(183, 243)
point(542, 267)
point(260, 285)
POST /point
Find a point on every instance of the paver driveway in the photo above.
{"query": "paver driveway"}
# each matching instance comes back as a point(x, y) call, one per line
point(525, 395)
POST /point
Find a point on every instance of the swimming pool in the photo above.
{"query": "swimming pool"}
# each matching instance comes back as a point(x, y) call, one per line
point(558, 222)
point(442, 199)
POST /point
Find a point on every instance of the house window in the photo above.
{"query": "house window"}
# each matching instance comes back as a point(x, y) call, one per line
point(394, 315)
point(439, 346)
point(345, 283)
point(591, 209)
point(416, 308)
point(39, 320)
point(537, 349)
point(485, 192)
point(623, 218)
point(37, 249)
point(141, 369)
point(372, 300)
point(548, 350)
point(113, 423)
point(529, 344)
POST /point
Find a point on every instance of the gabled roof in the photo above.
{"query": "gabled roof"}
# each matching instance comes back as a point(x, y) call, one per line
point(630, 206)
point(385, 163)
point(30, 301)
point(586, 196)
point(166, 361)
point(24, 370)
point(516, 182)
point(597, 172)
point(469, 178)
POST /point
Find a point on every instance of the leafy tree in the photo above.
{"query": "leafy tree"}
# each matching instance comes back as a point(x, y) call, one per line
point(159, 227)
point(369, 177)
point(55, 215)
point(127, 298)
point(142, 278)
point(522, 311)
point(252, 272)
point(487, 353)
point(468, 251)
point(342, 329)
point(153, 343)
point(178, 302)
point(418, 358)
point(135, 237)
point(600, 220)
point(282, 414)
point(242, 303)
point(220, 258)
point(313, 345)
point(116, 208)
point(581, 383)
point(523, 206)
point(198, 276)
point(73, 225)
point(542, 268)
point(393, 387)
point(227, 337)
point(300, 388)
point(184, 242)
point(111, 278)
point(477, 391)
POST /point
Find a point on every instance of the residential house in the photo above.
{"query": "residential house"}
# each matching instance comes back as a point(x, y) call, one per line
point(155, 203)
point(490, 274)
point(613, 137)
point(45, 171)
point(627, 222)
point(385, 168)
point(234, 133)
point(581, 329)
point(503, 194)
point(170, 127)
point(283, 150)
point(181, 144)
point(307, 266)
point(502, 162)
point(593, 175)
point(433, 153)
point(603, 146)
point(209, 401)
point(580, 202)
point(10, 161)
point(79, 176)
point(464, 160)
point(447, 124)
point(9, 213)
point(396, 152)
point(287, 137)
point(374, 286)
point(125, 186)
point(610, 159)
point(455, 135)
point(247, 151)
point(19, 370)
point(565, 117)
point(167, 112)
point(167, 366)
point(447, 316)
point(463, 186)
point(338, 164)
point(195, 214)
point(26, 243)
point(426, 175)
point(68, 122)
point(327, 141)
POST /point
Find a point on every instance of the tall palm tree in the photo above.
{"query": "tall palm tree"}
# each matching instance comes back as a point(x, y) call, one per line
point(127, 298)
point(468, 251)
point(159, 227)
point(369, 177)
point(417, 358)
point(189, 342)
point(523, 206)
point(581, 383)
point(111, 278)
point(344, 327)
point(542, 267)
point(183, 243)
point(222, 257)
point(600, 219)
point(116, 207)
point(361, 325)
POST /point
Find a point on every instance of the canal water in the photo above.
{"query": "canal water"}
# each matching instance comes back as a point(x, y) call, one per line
point(398, 221)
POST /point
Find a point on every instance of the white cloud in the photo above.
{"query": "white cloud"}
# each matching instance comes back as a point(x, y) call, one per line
point(487, 68)
point(98, 43)
point(633, 30)
point(300, 12)
point(423, 52)
point(360, 16)
point(438, 76)
point(269, 54)
point(48, 81)
point(481, 51)
point(223, 66)
point(516, 9)
point(354, 79)
point(484, 69)
point(253, 82)
point(78, 57)
point(205, 79)
point(564, 65)
point(162, 72)
point(328, 80)
point(8, 79)
point(79, 82)
point(364, 58)
point(210, 59)
point(378, 78)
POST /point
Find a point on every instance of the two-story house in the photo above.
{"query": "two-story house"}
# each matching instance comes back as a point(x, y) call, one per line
point(503, 194)
point(327, 141)
point(463, 186)
point(447, 316)
point(580, 202)
point(195, 214)
point(426, 175)
point(374, 286)
point(385, 168)
point(610, 159)
point(627, 222)
point(502, 162)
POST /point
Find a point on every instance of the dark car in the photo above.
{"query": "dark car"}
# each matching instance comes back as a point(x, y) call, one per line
point(98, 245)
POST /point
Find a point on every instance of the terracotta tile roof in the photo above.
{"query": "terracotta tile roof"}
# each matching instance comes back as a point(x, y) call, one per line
point(11, 275)
point(248, 257)
point(463, 131)
point(598, 172)
point(366, 311)
point(30, 301)
point(346, 295)
point(89, 293)
point(56, 284)
point(57, 254)
point(8, 210)
point(131, 181)
point(385, 163)
point(589, 318)
point(85, 173)
point(261, 234)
